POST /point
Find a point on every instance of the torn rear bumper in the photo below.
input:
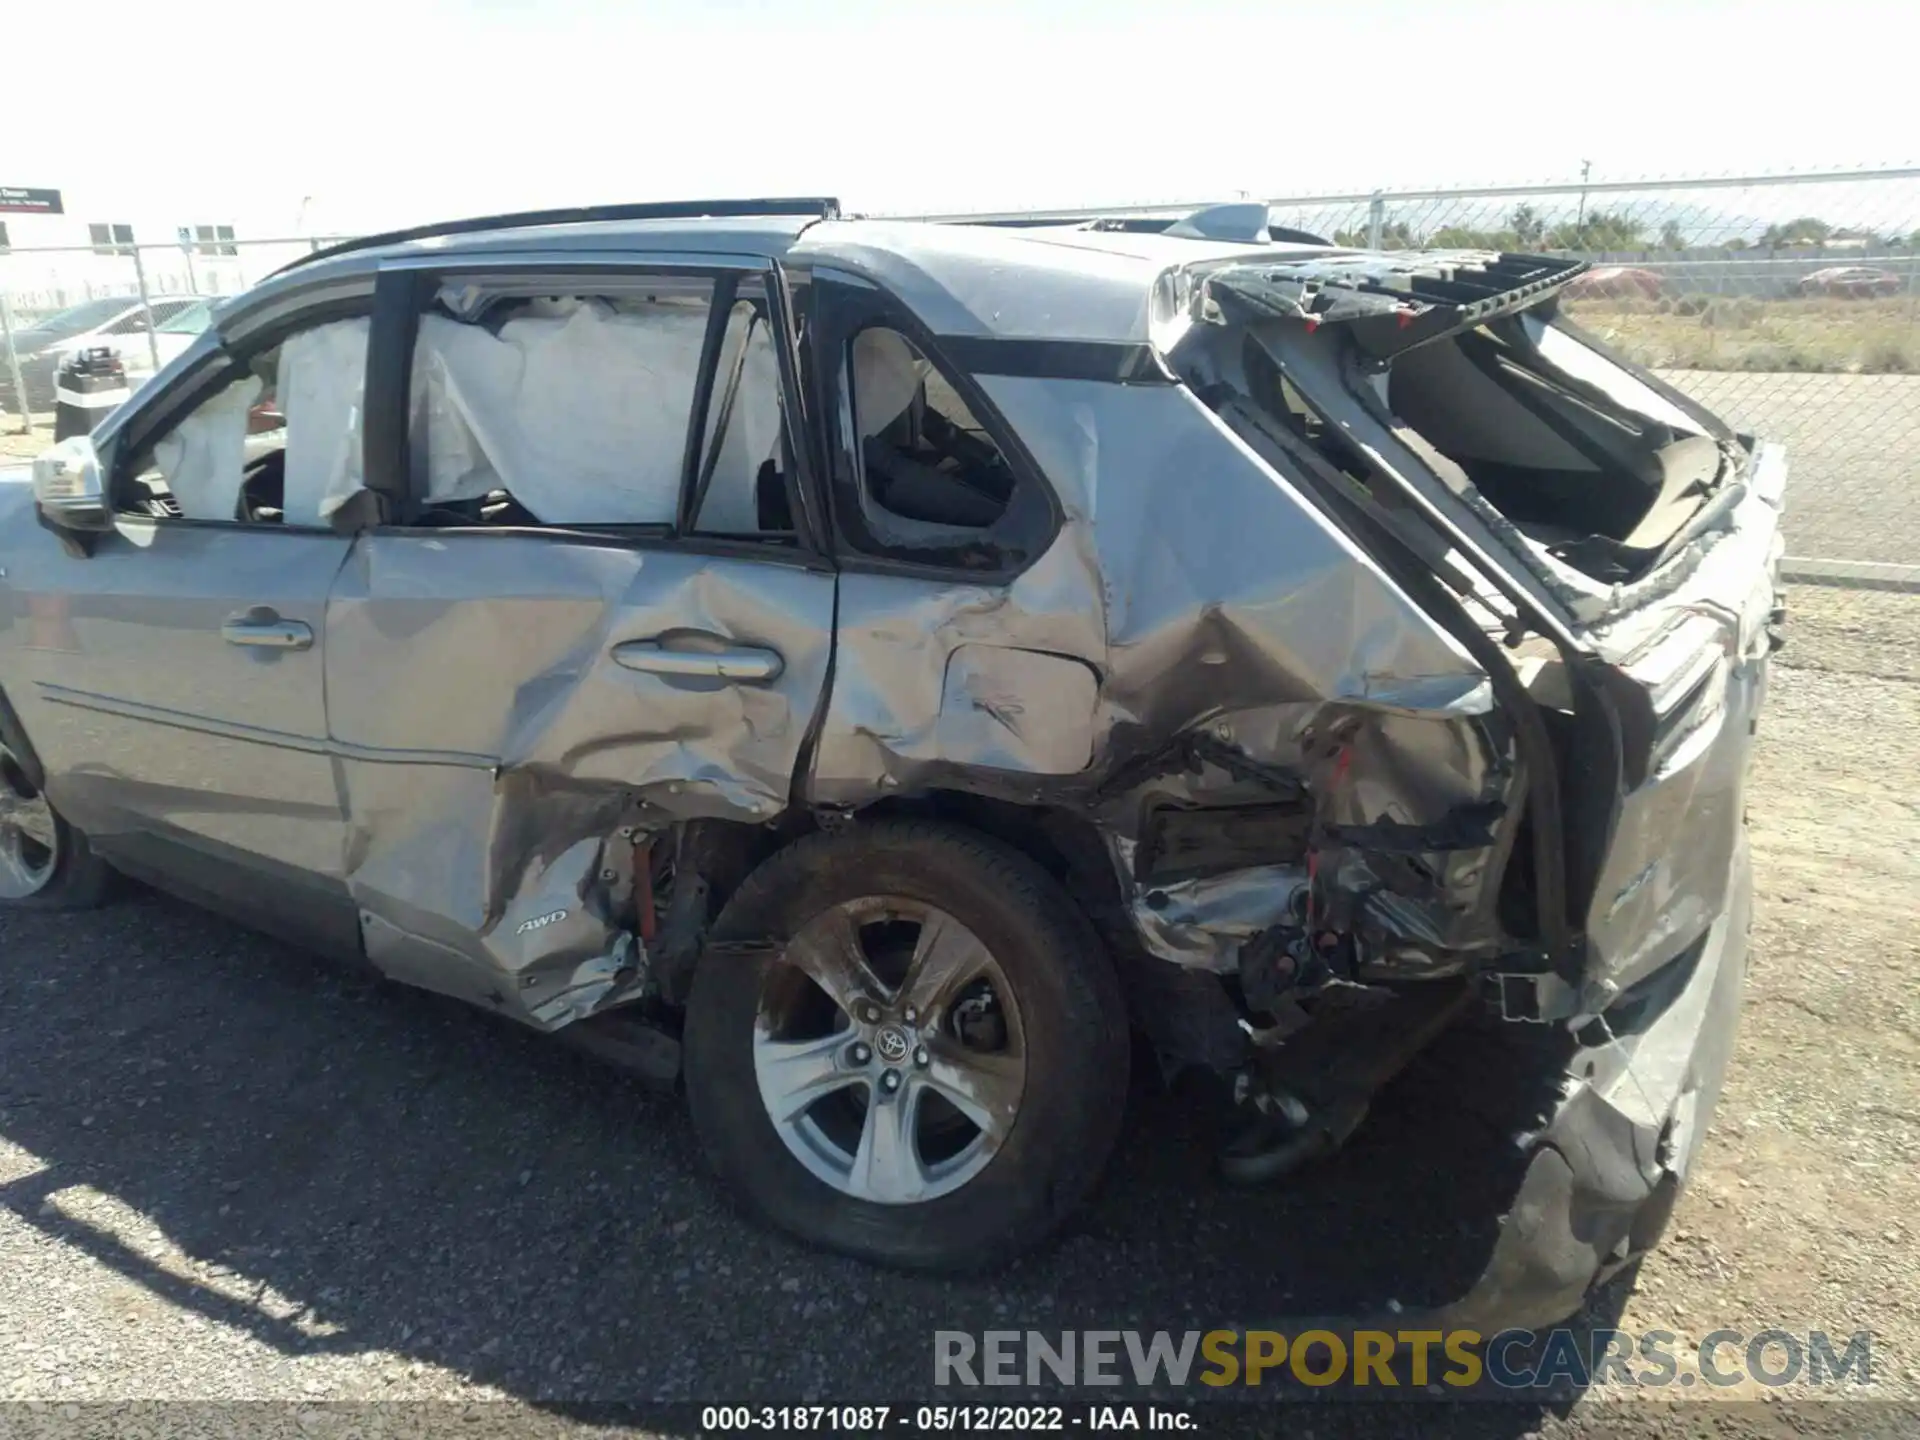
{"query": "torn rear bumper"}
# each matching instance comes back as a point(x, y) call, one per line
point(1606, 1169)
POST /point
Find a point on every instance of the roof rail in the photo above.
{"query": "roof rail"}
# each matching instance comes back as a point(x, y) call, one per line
point(820, 207)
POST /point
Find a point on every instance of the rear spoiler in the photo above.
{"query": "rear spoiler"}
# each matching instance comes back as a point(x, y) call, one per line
point(1395, 301)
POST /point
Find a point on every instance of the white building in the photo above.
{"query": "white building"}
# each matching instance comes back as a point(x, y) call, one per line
point(50, 259)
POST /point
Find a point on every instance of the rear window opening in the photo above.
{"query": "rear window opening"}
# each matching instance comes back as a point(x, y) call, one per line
point(1596, 467)
point(927, 465)
point(1464, 358)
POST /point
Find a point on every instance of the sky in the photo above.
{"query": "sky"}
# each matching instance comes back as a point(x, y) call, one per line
point(362, 114)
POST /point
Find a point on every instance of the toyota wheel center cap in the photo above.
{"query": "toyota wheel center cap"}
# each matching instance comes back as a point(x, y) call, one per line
point(891, 1043)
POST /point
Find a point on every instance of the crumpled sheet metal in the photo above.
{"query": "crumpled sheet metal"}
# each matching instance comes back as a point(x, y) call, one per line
point(1201, 590)
point(902, 714)
point(1222, 588)
point(1185, 576)
point(1413, 770)
point(546, 747)
point(1202, 922)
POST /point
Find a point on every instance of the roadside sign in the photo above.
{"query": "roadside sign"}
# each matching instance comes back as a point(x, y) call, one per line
point(19, 200)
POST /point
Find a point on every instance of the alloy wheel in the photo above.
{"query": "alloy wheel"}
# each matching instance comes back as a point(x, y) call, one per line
point(29, 839)
point(889, 1050)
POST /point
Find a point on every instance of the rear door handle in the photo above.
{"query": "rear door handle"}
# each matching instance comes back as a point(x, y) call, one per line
point(750, 663)
point(267, 630)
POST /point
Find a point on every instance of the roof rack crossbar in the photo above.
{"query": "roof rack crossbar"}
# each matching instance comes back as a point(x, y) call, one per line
point(820, 207)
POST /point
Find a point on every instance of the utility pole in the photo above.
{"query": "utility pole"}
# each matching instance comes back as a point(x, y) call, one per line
point(1580, 221)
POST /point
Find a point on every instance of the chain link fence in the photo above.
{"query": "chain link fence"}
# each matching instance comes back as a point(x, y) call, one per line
point(144, 301)
point(1790, 304)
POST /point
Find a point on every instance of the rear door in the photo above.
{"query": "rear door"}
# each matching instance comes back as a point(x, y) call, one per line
point(604, 610)
point(968, 643)
point(178, 670)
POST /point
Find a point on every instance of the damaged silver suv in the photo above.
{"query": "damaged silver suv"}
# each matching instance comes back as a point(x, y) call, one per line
point(868, 671)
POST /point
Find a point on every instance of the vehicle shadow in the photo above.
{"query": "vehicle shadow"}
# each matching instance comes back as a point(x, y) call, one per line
point(335, 1166)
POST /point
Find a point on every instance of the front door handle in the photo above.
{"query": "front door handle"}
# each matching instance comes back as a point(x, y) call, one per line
point(267, 629)
point(750, 663)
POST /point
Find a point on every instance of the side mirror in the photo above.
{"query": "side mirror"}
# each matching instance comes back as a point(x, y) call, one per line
point(67, 487)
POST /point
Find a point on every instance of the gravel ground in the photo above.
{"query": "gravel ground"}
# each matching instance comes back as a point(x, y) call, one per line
point(230, 1173)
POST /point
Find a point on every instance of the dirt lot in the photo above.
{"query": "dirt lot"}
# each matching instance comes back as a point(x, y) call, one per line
point(227, 1172)
point(1710, 332)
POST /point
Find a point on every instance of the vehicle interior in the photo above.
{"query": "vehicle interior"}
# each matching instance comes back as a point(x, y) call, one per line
point(928, 465)
point(1583, 458)
point(1596, 467)
point(224, 461)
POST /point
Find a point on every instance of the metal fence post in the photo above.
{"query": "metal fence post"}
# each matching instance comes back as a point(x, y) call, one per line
point(146, 307)
point(13, 364)
point(1376, 220)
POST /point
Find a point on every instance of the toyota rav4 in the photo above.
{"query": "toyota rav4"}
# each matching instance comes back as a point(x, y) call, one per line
point(869, 672)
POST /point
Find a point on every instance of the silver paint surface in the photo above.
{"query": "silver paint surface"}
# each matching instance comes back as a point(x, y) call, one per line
point(491, 744)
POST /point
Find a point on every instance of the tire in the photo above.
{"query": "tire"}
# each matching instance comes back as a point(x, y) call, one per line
point(45, 864)
point(1061, 1025)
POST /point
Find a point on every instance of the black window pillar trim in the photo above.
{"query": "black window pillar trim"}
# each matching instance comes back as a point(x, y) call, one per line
point(1115, 362)
point(804, 437)
point(399, 296)
point(726, 289)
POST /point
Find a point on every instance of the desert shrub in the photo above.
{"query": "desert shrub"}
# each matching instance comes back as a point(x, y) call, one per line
point(1735, 314)
point(1893, 357)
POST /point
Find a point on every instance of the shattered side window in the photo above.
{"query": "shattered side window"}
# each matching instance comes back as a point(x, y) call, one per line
point(928, 468)
point(556, 409)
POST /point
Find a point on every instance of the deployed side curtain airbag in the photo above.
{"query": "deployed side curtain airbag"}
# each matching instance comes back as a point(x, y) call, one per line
point(887, 374)
point(578, 410)
point(752, 436)
point(202, 457)
point(322, 388)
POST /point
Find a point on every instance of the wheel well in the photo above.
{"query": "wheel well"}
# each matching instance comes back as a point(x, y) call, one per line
point(714, 857)
point(1066, 845)
point(14, 735)
point(1187, 1015)
point(1058, 841)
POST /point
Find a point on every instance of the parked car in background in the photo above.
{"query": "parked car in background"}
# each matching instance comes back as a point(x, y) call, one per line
point(861, 669)
point(1615, 282)
point(1852, 282)
point(116, 321)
